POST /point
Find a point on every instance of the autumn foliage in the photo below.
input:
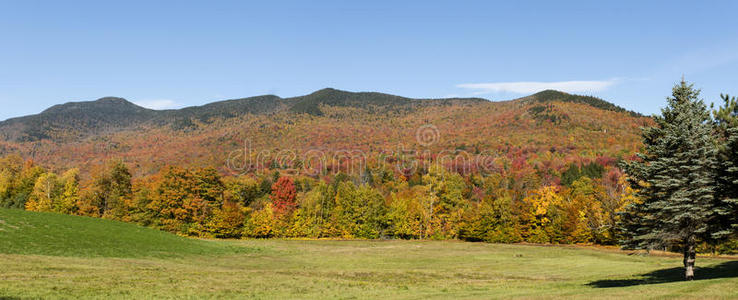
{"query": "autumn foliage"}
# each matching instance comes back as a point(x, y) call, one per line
point(540, 172)
point(512, 205)
point(283, 195)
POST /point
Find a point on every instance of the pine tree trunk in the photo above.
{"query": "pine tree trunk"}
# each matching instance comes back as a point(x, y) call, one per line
point(689, 258)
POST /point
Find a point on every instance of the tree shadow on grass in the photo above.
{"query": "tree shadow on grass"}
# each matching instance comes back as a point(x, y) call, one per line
point(723, 270)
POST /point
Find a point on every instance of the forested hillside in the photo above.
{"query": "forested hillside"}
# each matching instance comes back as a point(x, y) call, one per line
point(333, 164)
point(85, 134)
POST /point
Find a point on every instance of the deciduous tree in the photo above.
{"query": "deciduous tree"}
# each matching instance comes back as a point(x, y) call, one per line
point(112, 188)
point(45, 192)
point(283, 195)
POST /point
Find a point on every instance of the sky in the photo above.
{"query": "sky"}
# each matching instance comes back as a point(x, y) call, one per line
point(170, 54)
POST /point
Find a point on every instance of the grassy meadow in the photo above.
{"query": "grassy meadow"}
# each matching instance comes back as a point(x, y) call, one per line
point(57, 256)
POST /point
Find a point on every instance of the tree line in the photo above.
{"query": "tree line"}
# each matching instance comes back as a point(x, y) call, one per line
point(440, 204)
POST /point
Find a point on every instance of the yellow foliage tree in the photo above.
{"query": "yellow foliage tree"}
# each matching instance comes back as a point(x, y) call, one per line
point(262, 223)
point(69, 198)
point(227, 221)
point(538, 217)
point(406, 214)
point(44, 194)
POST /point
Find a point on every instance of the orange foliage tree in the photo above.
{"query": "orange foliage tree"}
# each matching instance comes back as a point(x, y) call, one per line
point(283, 195)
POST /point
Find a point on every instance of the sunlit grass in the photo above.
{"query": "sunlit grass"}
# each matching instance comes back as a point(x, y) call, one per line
point(349, 269)
point(24, 232)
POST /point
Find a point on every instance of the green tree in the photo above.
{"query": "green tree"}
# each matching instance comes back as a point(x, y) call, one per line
point(360, 211)
point(112, 187)
point(492, 221)
point(675, 179)
point(726, 121)
point(244, 189)
point(726, 116)
point(444, 202)
point(570, 175)
point(209, 186)
point(313, 214)
point(593, 170)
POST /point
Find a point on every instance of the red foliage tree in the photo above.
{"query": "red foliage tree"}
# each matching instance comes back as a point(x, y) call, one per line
point(283, 195)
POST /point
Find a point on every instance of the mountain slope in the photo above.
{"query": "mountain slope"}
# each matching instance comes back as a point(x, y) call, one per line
point(227, 109)
point(545, 128)
point(75, 120)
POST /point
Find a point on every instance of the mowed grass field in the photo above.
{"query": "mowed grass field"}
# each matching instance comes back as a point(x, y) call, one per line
point(55, 256)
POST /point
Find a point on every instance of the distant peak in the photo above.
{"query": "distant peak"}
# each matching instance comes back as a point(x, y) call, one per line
point(554, 95)
point(96, 105)
point(329, 91)
point(551, 92)
point(111, 99)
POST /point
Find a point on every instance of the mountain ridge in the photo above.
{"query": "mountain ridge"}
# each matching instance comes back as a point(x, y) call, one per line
point(75, 120)
point(550, 124)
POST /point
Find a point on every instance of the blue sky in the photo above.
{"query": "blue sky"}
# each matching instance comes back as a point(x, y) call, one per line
point(181, 53)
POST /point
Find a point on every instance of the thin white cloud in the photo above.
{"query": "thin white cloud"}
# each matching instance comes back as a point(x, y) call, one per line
point(158, 104)
point(530, 87)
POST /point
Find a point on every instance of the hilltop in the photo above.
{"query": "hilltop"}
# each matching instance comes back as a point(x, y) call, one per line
point(552, 95)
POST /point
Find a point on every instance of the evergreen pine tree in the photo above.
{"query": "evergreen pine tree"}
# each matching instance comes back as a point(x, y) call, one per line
point(570, 175)
point(730, 182)
point(726, 125)
point(675, 179)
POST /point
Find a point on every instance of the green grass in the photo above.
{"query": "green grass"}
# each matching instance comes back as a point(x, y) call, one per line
point(23, 232)
point(358, 270)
